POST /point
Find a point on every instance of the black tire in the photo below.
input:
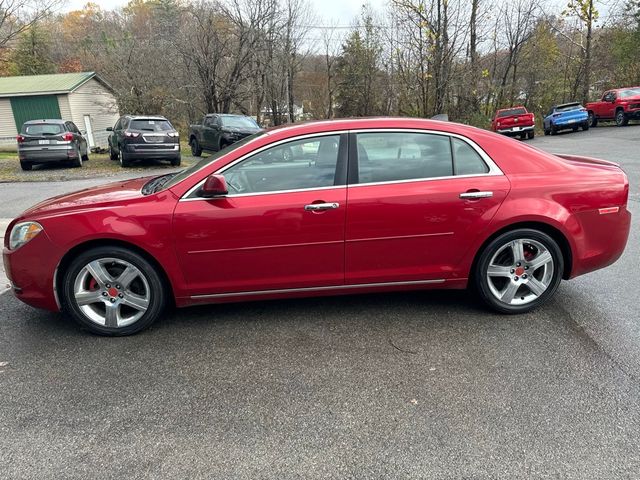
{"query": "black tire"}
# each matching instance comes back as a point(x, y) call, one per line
point(77, 162)
point(531, 134)
point(196, 150)
point(26, 166)
point(175, 162)
point(574, 129)
point(547, 131)
point(157, 292)
point(85, 157)
point(585, 126)
point(593, 120)
point(112, 155)
point(222, 145)
point(554, 130)
point(621, 118)
point(497, 245)
point(123, 158)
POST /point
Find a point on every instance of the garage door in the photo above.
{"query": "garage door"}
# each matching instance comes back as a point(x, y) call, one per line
point(34, 108)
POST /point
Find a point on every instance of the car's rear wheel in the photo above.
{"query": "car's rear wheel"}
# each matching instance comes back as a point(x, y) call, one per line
point(123, 158)
point(554, 130)
point(113, 291)
point(175, 162)
point(531, 134)
point(585, 126)
point(77, 161)
point(593, 120)
point(519, 271)
point(112, 154)
point(196, 150)
point(621, 118)
point(574, 128)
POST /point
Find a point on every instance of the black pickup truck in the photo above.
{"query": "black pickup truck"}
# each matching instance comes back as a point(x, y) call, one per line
point(219, 130)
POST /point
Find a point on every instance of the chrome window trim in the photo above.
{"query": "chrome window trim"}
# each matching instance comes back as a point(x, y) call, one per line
point(318, 289)
point(494, 170)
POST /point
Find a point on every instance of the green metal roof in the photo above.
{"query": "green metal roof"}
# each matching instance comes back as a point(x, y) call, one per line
point(44, 84)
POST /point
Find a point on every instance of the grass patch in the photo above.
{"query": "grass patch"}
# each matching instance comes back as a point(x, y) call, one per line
point(99, 165)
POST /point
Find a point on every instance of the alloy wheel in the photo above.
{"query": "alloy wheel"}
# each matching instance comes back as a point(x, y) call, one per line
point(520, 271)
point(111, 292)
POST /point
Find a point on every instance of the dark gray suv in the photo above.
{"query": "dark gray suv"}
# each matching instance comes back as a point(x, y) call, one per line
point(141, 137)
point(51, 141)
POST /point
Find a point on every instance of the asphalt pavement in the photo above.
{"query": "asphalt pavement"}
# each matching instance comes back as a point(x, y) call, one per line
point(409, 385)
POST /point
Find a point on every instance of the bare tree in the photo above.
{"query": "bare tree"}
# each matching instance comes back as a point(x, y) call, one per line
point(16, 16)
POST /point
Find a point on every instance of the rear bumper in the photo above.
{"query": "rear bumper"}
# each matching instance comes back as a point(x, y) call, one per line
point(571, 122)
point(603, 240)
point(50, 154)
point(141, 151)
point(515, 130)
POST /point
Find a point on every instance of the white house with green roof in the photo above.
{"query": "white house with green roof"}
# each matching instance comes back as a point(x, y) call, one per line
point(83, 98)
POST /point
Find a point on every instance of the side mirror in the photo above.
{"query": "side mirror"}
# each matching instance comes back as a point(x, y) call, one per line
point(214, 186)
point(109, 129)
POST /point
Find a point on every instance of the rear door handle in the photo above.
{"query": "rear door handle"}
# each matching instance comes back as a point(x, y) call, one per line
point(476, 194)
point(316, 207)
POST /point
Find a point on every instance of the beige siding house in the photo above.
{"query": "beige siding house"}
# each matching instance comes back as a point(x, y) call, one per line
point(84, 98)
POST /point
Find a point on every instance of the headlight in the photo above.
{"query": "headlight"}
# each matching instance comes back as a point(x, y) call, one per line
point(23, 232)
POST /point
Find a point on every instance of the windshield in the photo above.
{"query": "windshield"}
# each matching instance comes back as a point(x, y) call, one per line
point(629, 92)
point(209, 160)
point(569, 107)
point(239, 122)
point(43, 129)
point(150, 125)
point(512, 111)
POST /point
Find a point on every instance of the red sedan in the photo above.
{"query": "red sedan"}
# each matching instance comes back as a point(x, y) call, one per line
point(336, 207)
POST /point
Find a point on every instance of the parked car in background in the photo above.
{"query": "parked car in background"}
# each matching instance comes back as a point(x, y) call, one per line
point(360, 206)
point(619, 105)
point(514, 121)
point(51, 141)
point(568, 115)
point(144, 137)
point(218, 131)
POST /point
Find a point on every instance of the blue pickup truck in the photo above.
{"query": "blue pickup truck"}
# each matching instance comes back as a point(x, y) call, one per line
point(566, 116)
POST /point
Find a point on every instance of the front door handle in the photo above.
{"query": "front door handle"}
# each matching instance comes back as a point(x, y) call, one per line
point(476, 194)
point(317, 207)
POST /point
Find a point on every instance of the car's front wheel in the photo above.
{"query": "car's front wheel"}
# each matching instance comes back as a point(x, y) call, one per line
point(113, 291)
point(519, 271)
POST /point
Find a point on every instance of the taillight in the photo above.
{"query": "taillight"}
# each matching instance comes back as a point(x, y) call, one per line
point(67, 137)
point(20, 138)
point(583, 109)
point(131, 134)
point(555, 115)
point(498, 124)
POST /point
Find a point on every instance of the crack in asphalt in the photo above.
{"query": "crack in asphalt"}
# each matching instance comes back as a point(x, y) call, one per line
point(583, 332)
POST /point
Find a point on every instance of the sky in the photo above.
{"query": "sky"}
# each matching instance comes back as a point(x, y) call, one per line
point(339, 12)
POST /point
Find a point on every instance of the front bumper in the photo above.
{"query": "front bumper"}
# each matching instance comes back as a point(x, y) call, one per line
point(31, 271)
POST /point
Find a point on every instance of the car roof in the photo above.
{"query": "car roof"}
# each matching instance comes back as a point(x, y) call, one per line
point(45, 120)
point(320, 126)
point(146, 117)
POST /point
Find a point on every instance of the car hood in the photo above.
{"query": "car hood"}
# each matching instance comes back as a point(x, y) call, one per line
point(241, 130)
point(89, 198)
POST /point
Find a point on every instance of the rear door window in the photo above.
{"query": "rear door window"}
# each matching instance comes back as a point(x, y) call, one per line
point(397, 156)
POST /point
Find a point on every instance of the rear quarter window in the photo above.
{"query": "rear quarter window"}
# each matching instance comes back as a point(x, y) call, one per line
point(466, 160)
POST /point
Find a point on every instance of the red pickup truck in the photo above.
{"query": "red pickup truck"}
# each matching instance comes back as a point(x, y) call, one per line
point(514, 121)
point(620, 105)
